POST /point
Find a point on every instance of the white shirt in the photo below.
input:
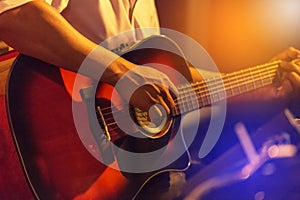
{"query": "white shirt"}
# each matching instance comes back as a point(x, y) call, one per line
point(99, 20)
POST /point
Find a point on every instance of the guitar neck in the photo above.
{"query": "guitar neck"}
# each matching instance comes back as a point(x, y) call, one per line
point(200, 94)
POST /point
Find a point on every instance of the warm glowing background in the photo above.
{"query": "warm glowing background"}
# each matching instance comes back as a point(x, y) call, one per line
point(236, 33)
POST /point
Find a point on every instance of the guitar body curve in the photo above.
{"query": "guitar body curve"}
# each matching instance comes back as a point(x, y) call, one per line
point(40, 113)
point(56, 163)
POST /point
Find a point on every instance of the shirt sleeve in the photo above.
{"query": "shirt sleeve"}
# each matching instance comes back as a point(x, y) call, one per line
point(60, 5)
point(10, 4)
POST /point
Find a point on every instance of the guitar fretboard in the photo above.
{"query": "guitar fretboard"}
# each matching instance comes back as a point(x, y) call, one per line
point(200, 94)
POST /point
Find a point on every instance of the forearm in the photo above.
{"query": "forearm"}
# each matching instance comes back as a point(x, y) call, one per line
point(38, 30)
point(48, 37)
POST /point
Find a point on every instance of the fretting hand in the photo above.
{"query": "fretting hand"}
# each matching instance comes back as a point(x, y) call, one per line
point(290, 78)
point(291, 70)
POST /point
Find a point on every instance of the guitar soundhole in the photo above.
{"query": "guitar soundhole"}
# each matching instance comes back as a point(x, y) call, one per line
point(154, 126)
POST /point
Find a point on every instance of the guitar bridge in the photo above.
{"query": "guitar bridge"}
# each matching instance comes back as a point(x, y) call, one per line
point(102, 122)
point(97, 125)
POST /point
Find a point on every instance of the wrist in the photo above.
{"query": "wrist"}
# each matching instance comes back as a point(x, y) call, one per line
point(116, 70)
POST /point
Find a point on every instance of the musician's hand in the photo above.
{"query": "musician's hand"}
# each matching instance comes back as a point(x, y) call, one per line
point(290, 69)
point(149, 87)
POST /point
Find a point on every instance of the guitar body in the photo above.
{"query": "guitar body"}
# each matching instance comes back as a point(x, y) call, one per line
point(41, 117)
point(59, 165)
point(54, 159)
point(13, 183)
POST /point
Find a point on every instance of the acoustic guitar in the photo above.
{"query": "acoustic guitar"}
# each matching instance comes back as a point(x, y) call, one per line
point(56, 162)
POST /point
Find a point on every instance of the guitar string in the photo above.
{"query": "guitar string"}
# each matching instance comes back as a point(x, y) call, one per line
point(202, 85)
point(206, 81)
point(226, 77)
point(244, 80)
point(231, 88)
point(206, 96)
point(260, 78)
point(251, 71)
point(110, 125)
point(255, 71)
point(242, 74)
point(202, 93)
point(203, 99)
point(201, 88)
point(216, 81)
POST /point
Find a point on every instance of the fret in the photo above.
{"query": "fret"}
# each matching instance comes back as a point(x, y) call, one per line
point(201, 88)
point(195, 95)
point(235, 90)
point(253, 77)
point(206, 97)
point(178, 100)
point(246, 80)
point(195, 102)
point(213, 85)
point(258, 82)
point(227, 81)
point(191, 97)
point(176, 110)
point(261, 77)
point(183, 102)
point(264, 80)
point(185, 98)
point(188, 98)
point(222, 95)
point(197, 87)
point(210, 85)
point(270, 76)
point(221, 92)
point(242, 86)
point(252, 85)
point(239, 81)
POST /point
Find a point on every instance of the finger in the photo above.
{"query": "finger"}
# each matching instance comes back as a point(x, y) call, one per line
point(151, 94)
point(288, 55)
point(162, 95)
point(160, 100)
point(167, 97)
point(144, 97)
point(147, 96)
point(293, 53)
point(173, 89)
point(294, 78)
point(290, 66)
